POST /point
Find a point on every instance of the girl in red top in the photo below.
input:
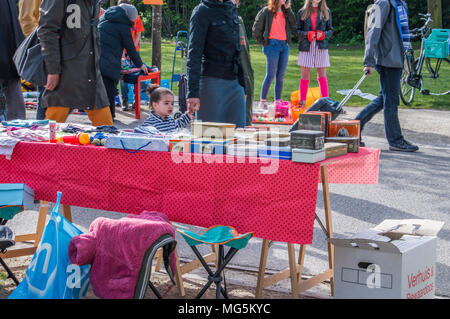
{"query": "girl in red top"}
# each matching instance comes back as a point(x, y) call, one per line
point(314, 29)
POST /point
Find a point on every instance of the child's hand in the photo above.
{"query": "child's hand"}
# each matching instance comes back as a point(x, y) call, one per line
point(190, 114)
point(320, 35)
point(311, 36)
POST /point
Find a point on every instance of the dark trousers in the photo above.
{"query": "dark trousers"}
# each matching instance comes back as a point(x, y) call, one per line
point(111, 91)
point(387, 100)
point(40, 111)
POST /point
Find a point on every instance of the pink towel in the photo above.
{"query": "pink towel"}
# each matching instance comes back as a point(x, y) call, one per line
point(116, 248)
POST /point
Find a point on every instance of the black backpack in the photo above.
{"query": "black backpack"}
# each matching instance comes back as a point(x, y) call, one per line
point(28, 57)
point(324, 104)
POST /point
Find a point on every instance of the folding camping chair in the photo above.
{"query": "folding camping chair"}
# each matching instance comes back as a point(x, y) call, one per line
point(7, 235)
point(217, 235)
point(168, 244)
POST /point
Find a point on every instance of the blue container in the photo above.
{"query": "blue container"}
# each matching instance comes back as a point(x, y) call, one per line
point(16, 195)
point(210, 146)
point(283, 152)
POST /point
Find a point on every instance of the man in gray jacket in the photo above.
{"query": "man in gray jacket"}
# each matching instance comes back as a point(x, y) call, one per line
point(71, 51)
point(387, 40)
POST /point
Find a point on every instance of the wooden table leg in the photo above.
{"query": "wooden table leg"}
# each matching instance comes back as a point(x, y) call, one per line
point(262, 268)
point(328, 220)
point(295, 270)
point(67, 212)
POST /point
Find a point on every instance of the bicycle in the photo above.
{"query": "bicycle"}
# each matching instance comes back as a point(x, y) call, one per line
point(438, 82)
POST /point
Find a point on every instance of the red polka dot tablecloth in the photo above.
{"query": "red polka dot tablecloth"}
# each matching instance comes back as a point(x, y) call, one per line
point(275, 199)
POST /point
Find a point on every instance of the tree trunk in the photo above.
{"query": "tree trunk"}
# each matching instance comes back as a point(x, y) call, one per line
point(112, 3)
point(435, 8)
point(156, 36)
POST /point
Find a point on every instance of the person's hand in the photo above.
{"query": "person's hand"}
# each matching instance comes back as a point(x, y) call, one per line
point(320, 35)
point(144, 68)
point(52, 81)
point(311, 36)
point(368, 70)
point(193, 104)
point(287, 4)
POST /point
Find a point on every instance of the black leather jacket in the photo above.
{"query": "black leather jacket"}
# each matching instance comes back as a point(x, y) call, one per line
point(303, 26)
point(214, 44)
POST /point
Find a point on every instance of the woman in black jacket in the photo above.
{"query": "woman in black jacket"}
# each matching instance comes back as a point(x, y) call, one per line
point(214, 71)
point(11, 36)
point(115, 36)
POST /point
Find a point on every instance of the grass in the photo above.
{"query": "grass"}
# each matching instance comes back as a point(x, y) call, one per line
point(346, 69)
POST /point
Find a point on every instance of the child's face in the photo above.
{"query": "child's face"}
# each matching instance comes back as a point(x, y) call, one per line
point(164, 107)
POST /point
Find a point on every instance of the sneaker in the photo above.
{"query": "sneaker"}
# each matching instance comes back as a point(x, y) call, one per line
point(125, 106)
point(404, 146)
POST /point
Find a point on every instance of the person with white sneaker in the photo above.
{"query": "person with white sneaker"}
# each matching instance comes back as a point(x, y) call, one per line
point(387, 40)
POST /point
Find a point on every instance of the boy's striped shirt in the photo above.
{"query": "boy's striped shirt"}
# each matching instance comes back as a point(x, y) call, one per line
point(165, 125)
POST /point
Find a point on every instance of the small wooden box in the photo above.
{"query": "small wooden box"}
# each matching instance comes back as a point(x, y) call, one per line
point(211, 146)
point(328, 119)
point(313, 121)
point(344, 128)
point(212, 130)
point(307, 139)
point(264, 135)
point(258, 127)
point(352, 142)
point(335, 149)
point(180, 144)
point(283, 141)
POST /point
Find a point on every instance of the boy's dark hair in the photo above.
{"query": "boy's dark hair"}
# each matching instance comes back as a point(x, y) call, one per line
point(155, 92)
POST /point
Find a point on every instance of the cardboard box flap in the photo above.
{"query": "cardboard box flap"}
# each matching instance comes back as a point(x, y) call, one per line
point(396, 228)
point(367, 244)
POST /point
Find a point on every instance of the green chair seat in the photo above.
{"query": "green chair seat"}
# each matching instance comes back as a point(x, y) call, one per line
point(217, 235)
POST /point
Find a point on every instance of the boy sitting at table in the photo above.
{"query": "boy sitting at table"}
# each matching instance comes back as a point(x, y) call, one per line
point(162, 104)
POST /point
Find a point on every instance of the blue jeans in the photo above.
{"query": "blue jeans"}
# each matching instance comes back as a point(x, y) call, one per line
point(387, 100)
point(222, 101)
point(277, 56)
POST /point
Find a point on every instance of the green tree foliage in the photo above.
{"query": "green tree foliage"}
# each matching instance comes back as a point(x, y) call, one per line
point(348, 16)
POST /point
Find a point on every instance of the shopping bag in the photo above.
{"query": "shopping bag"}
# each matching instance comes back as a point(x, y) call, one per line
point(50, 274)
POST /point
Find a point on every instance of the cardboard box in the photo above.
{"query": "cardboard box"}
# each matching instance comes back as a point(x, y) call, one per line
point(394, 260)
point(302, 155)
point(16, 195)
point(137, 142)
point(212, 130)
point(246, 150)
point(211, 146)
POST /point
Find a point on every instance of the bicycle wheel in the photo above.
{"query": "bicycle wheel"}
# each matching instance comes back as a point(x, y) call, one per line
point(437, 82)
point(406, 90)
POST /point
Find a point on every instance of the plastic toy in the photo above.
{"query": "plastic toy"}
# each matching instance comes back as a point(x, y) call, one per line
point(80, 138)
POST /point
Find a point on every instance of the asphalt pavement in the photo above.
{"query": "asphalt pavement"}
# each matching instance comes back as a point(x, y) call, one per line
point(411, 185)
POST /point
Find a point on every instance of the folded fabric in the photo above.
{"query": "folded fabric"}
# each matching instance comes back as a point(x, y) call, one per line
point(25, 123)
point(116, 248)
point(7, 145)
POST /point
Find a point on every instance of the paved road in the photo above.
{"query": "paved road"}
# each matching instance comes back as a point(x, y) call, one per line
point(410, 186)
